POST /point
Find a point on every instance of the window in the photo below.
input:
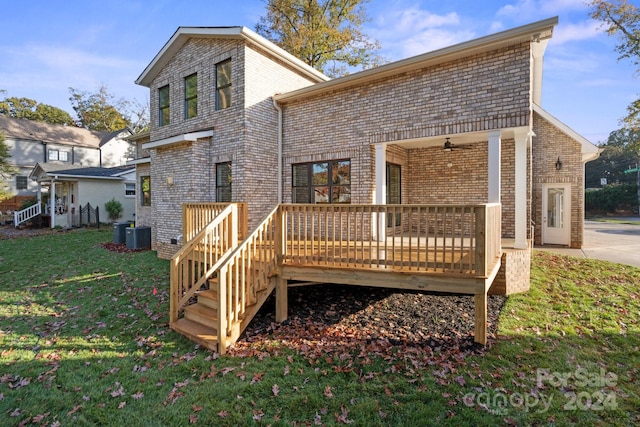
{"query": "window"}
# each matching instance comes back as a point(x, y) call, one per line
point(21, 182)
point(53, 155)
point(394, 192)
point(191, 96)
point(223, 85)
point(163, 102)
point(145, 194)
point(130, 189)
point(63, 156)
point(322, 182)
point(223, 182)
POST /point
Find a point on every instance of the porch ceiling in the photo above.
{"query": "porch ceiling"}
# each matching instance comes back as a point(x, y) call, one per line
point(456, 139)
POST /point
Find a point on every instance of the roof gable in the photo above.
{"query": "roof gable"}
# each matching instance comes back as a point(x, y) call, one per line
point(183, 34)
point(589, 150)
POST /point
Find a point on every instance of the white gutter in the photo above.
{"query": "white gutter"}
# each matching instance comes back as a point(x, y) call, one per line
point(279, 150)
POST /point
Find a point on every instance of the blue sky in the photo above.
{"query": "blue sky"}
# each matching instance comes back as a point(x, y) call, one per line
point(47, 47)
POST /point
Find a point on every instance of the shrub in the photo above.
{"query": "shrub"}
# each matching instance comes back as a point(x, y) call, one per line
point(612, 199)
point(114, 209)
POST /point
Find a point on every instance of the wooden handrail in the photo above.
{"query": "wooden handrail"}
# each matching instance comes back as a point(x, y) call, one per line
point(197, 260)
point(195, 216)
point(244, 272)
point(455, 239)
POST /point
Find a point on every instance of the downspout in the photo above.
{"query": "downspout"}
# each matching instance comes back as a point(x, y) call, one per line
point(279, 150)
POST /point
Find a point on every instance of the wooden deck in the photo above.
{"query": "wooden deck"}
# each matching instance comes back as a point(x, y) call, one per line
point(453, 249)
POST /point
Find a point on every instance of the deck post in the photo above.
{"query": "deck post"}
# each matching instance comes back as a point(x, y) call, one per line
point(281, 299)
point(281, 283)
point(480, 309)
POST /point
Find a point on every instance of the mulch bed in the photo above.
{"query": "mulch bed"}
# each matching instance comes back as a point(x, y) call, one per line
point(337, 317)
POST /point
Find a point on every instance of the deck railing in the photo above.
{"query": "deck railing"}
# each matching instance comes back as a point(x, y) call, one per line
point(196, 216)
point(196, 261)
point(26, 214)
point(245, 272)
point(463, 239)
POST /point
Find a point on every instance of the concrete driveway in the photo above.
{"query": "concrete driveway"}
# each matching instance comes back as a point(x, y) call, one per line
point(609, 242)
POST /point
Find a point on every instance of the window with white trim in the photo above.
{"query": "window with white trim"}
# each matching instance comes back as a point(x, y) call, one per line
point(322, 182)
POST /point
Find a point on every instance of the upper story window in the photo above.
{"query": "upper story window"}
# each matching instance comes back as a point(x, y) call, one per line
point(223, 85)
point(191, 96)
point(163, 105)
point(62, 156)
point(322, 182)
point(21, 182)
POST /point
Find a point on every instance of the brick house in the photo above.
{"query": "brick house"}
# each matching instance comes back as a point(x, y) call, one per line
point(235, 118)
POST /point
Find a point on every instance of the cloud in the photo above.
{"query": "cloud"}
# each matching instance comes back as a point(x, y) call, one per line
point(528, 9)
point(576, 32)
point(412, 31)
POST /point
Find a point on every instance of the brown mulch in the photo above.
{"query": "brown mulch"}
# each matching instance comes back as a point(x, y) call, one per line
point(120, 248)
point(11, 232)
point(339, 317)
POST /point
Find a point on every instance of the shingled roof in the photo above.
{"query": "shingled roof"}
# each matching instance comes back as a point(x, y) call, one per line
point(45, 132)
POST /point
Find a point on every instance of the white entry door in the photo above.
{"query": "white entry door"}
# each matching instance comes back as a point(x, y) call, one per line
point(556, 214)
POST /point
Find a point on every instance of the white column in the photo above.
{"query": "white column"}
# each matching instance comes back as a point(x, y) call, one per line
point(494, 166)
point(381, 189)
point(52, 203)
point(520, 189)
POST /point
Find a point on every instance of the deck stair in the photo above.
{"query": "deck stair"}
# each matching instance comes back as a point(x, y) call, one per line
point(220, 291)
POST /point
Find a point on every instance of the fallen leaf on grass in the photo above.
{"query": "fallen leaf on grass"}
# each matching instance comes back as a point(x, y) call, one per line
point(275, 389)
point(193, 418)
point(327, 392)
point(122, 405)
point(223, 414)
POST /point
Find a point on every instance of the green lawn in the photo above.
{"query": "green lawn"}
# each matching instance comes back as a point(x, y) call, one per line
point(84, 341)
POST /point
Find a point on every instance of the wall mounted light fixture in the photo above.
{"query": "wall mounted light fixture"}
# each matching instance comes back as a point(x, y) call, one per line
point(558, 164)
point(170, 180)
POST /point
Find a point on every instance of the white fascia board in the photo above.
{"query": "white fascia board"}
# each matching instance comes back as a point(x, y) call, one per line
point(589, 150)
point(187, 137)
point(139, 161)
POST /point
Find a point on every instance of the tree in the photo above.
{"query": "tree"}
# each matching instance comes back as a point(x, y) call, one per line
point(622, 19)
point(26, 108)
point(100, 111)
point(619, 153)
point(326, 34)
point(6, 170)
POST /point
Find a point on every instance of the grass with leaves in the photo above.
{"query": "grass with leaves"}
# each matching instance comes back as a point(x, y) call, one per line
point(84, 341)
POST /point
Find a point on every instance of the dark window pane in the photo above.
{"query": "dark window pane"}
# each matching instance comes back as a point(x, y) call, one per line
point(301, 195)
point(163, 102)
point(191, 96)
point(223, 182)
point(301, 175)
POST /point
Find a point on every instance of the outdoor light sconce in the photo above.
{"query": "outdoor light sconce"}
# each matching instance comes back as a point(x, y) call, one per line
point(170, 180)
point(558, 164)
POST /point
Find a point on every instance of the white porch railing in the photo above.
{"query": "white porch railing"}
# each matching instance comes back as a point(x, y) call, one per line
point(26, 214)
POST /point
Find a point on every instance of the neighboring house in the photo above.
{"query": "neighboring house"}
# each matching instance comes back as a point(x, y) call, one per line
point(76, 187)
point(142, 164)
point(31, 142)
point(234, 118)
